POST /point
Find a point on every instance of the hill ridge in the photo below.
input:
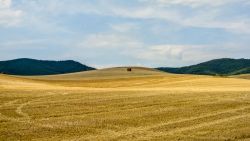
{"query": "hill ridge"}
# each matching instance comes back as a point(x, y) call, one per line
point(223, 66)
point(27, 66)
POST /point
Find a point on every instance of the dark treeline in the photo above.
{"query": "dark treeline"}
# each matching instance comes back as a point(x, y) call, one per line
point(26, 66)
point(221, 67)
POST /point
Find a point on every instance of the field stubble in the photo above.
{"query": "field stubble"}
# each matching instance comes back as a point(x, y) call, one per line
point(152, 106)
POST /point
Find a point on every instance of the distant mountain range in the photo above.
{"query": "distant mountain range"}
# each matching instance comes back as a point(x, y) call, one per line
point(225, 66)
point(28, 67)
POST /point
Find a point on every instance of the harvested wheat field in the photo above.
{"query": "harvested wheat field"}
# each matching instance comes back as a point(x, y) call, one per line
point(113, 104)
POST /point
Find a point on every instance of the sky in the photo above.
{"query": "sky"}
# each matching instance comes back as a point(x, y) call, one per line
point(107, 33)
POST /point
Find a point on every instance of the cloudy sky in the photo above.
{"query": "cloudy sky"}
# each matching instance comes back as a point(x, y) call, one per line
point(104, 33)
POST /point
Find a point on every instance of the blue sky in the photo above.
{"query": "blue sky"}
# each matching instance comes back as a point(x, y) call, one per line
point(106, 33)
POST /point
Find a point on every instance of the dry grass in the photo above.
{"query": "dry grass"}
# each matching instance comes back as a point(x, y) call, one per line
point(244, 76)
point(113, 104)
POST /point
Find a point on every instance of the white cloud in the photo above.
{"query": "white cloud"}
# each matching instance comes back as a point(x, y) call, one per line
point(161, 52)
point(205, 17)
point(23, 42)
point(173, 55)
point(145, 12)
point(212, 19)
point(5, 3)
point(125, 27)
point(194, 3)
point(203, 13)
point(109, 40)
point(9, 16)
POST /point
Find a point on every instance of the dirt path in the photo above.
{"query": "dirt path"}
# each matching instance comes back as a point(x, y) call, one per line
point(20, 112)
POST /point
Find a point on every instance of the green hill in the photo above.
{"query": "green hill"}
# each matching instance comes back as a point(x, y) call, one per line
point(26, 66)
point(225, 66)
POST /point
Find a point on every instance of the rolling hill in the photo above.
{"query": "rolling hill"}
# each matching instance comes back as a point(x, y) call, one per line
point(223, 66)
point(26, 66)
point(242, 76)
point(114, 104)
point(108, 73)
point(31, 67)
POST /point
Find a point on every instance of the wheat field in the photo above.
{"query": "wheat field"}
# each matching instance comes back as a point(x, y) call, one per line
point(113, 104)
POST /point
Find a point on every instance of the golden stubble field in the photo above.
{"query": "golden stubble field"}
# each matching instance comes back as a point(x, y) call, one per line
point(114, 104)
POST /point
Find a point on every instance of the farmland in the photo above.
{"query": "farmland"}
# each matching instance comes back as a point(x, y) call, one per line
point(113, 104)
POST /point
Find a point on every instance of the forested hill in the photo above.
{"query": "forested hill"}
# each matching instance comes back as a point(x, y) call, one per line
point(225, 66)
point(25, 66)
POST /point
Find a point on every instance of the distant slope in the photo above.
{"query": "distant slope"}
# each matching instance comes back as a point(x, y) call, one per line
point(243, 76)
point(108, 73)
point(223, 66)
point(28, 67)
